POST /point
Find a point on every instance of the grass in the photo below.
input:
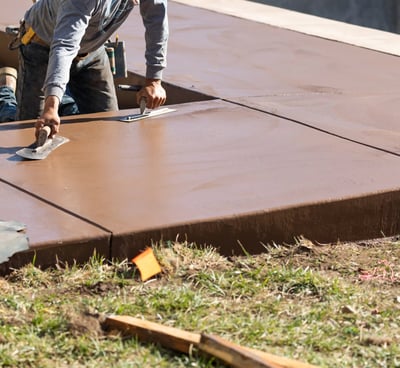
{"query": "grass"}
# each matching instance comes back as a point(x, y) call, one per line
point(334, 305)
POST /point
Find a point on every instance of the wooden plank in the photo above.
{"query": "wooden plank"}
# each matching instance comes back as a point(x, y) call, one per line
point(184, 341)
point(232, 354)
point(166, 336)
point(282, 362)
point(240, 356)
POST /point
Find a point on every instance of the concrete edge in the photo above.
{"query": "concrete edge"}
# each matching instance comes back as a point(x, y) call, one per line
point(368, 216)
point(61, 253)
point(373, 39)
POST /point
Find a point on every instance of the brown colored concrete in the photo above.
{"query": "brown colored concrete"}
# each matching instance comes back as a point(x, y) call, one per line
point(13, 11)
point(53, 234)
point(214, 171)
point(343, 89)
point(10, 15)
point(229, 57)
point(370, 119)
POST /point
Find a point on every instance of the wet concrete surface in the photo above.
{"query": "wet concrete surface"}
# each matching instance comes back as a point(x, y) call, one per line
point(368, 119)
point(342, 89)
point(52, 232)
point(12, 11)
point(210, 168)
point(275, 156)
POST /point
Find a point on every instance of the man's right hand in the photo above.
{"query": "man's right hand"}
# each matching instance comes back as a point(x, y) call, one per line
point(49, 117)
point(153, 92)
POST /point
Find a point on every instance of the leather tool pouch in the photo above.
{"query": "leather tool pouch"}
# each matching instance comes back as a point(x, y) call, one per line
point(17, 33)
point(117, 56)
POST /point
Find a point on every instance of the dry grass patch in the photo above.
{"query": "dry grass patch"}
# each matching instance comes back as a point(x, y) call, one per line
point(330, 305)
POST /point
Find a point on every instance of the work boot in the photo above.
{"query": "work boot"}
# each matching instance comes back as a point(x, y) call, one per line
point(8, 77)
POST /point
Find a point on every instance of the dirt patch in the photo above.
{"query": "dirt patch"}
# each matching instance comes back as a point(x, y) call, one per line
point(84, 323)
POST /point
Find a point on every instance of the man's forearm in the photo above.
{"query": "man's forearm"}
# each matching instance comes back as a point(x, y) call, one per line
point(155, 20)
point(51, 103)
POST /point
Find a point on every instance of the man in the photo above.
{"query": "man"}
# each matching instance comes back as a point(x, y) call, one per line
point(63, 43)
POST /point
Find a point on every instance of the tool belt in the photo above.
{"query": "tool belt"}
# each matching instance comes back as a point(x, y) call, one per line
point(30, 36)
point(116, 54)
point(115, 50)
point(27, 35)
point(24, 36)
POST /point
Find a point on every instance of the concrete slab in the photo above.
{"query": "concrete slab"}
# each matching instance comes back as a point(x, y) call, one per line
point(53, 233)
point(12, 11)
point(10, 15)
point(213, 171)
point(222, 172)
point(305, 23)
point(230, 57)
point(367, 118)
point(342, 89)
point(336, 87)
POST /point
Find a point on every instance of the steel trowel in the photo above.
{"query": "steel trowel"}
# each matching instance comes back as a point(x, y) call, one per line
point(143, 114)
point(43, 145)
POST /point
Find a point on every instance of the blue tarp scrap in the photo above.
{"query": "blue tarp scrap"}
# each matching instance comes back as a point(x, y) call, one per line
point(13, 239)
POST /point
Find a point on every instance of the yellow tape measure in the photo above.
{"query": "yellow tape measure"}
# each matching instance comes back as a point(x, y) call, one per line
point(27, 37)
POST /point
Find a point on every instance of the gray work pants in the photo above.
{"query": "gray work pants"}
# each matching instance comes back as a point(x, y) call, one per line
point(91, 82)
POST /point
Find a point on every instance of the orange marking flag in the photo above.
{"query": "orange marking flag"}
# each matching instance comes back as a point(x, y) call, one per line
point(147, 264)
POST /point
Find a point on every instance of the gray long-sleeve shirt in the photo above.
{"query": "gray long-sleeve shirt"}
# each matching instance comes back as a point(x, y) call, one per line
point(73, 27)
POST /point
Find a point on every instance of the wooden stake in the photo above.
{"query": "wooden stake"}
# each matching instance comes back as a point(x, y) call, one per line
point(184, 341)
point(232, 354)
point(166, 336)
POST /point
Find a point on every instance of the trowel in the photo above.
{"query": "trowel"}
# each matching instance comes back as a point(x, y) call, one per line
point(143, 114)
point(43, 146)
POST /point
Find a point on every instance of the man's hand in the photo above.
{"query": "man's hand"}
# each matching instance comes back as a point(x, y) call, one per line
point(49, 117)
point(153, 92)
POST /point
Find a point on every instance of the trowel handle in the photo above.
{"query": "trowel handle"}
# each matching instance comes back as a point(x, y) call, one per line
point(143, 102)
point(130, 87)
point(43, 135)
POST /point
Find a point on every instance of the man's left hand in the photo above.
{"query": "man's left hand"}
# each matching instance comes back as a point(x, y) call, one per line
point(49, 117)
